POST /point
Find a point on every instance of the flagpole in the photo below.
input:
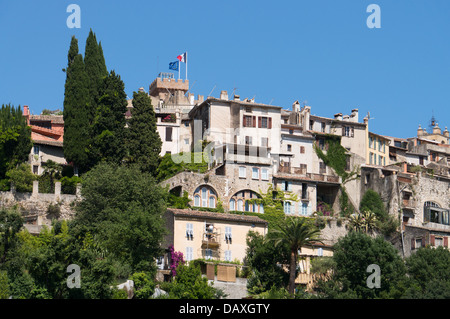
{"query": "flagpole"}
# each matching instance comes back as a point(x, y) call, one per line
point(186, 65)
point(179, 67)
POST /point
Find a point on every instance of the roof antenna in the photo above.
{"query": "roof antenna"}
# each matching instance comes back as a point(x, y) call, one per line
point(212, 90)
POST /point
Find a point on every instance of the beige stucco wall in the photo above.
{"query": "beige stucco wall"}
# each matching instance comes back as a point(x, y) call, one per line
point(239, 232)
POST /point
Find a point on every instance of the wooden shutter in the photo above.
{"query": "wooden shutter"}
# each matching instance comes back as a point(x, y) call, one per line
point(254, 121)
point(244, 124)
point(445, 241)
point(259, 121)
point(413, 243)
point(432, 238)
point(270, 122)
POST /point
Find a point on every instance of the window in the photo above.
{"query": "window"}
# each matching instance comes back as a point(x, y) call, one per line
point(323, 127)
point(302, 150)
point(36, 149)
point(264, 141)
point(249, 121)
point(232, 204)
point(35, 169)
point(347, 131)
point(205, 196)
point(370, 142)
point(287, 186)
point(291, 132)
point(287, 207)
point(304, 191)
point(264, 123)
point(189, 231)
point(240, 206)
point(248, 140)
point(320, 252)
point(418, 243)
point(380, 160)
point(380, 145)
point(186, 141)
point(264, 174)
point(242, 172)
point(434, 214)
point(228, 236)
point(255, 173)
point(228, 255)
point(322, 168)
point(438, 241)
point(189, 253)
point(289, 147)
point(311, 125)
point(168, 134)
point(208, 254)
point(305, 209)
point(248, 109)
point(212, 202)
point(321, 143)
point(370, 158)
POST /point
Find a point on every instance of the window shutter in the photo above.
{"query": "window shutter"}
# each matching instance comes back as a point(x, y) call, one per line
point(244, 124)
point(254, 121)
point(289, 186)
point(445, 241)
point(413, 243)
point(270, 122)
point(343, 131)
point(353, 132)
point(259, 121)
point(432, 237)
point(424, 241)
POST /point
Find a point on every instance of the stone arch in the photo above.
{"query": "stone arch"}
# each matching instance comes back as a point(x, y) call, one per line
point(242, 201)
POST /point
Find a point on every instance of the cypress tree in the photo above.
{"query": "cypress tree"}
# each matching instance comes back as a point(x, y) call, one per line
point(108, 129)
point(143, 140)
point(96, 71)
point(75, 114)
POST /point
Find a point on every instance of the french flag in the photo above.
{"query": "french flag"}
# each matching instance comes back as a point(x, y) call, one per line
point(182, 57)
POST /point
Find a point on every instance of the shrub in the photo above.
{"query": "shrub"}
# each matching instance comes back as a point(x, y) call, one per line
point(69, 184)
point(22, 178)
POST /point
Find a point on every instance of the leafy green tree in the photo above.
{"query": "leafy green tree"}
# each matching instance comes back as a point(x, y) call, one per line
point(264, 261)
point(143, 140)
point(143, 285)
point(108, 127)
point(189, 284)
point(22, 178)
point(15, 138)
point(10, 224)
point(123, 207)
point(429, 273)
point(76, 110)
point(4, 285)
point(295, 233)
point(372, 201)
point(352, 256)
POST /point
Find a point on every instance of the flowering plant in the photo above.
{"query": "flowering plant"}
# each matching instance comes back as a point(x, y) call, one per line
point(176, 258)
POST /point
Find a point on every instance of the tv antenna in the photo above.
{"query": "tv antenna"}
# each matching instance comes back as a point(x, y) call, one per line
point(212, 90)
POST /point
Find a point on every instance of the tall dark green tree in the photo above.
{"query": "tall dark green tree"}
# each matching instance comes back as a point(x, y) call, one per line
point(108, 127)
point(143, 140)
point(96, 71)
point(15, 138)
point(75, 114)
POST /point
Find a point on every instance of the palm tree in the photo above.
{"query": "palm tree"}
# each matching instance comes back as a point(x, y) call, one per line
point(294, 232)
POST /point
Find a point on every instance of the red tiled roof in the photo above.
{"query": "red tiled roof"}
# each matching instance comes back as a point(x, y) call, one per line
point(219, 216)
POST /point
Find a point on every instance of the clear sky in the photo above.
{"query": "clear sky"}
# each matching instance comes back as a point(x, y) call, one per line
point(319, 51)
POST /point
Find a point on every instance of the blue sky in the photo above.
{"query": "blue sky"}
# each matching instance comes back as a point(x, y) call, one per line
point(320, 51)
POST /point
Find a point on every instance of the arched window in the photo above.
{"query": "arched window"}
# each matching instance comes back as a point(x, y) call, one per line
point(205, 196)
point(247, 200)
point(433, 213)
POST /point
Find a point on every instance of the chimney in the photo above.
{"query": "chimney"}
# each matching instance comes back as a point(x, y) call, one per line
point(346, 118)
point(200, 99)
point(224, 95)
point(26, 110)
point(446, 132)
point(236, 97)
point(296, 106)
point(338, 116)
point(354, 115)
point(141, 89)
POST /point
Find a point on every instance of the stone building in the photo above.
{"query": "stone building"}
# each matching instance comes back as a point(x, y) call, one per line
point(47, 134)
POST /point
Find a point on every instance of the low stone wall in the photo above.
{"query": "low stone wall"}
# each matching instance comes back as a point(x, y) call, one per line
point(34, 206)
